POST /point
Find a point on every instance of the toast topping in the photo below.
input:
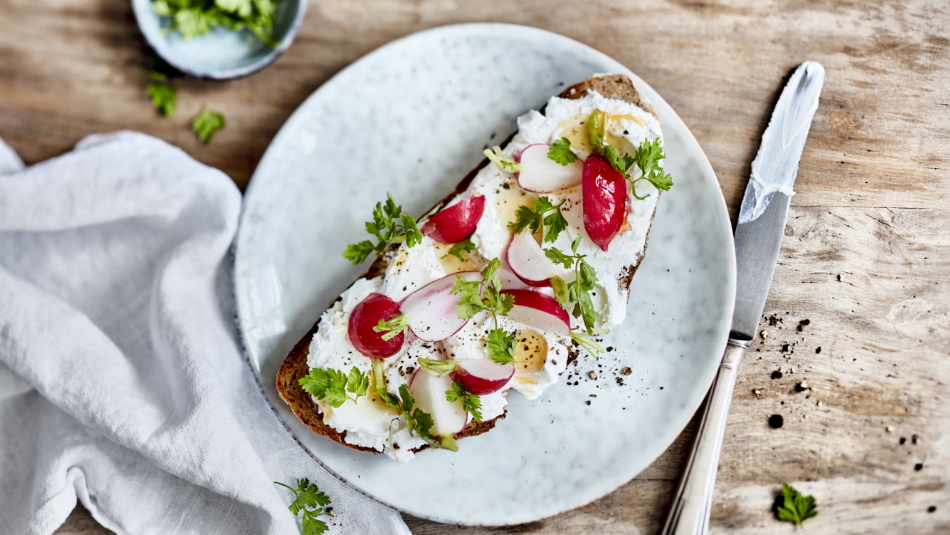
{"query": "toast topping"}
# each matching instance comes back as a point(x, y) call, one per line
point(577, 186)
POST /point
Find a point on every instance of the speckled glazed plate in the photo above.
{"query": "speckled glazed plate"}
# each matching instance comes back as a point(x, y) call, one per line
point(412, 118)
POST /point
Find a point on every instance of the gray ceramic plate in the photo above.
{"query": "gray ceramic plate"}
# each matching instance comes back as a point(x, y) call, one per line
point(412, 118)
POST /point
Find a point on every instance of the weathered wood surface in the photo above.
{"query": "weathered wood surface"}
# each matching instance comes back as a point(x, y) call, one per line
point(866, 256)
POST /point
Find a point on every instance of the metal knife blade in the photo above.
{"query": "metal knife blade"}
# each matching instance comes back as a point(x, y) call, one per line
point(765, 204)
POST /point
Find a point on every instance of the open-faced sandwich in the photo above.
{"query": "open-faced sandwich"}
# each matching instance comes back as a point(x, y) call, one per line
point(497, 288)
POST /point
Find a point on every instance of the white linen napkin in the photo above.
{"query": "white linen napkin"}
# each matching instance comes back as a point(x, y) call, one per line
point(122, 381)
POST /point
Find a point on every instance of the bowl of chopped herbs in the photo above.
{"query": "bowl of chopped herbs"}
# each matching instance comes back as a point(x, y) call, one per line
point(219, 39)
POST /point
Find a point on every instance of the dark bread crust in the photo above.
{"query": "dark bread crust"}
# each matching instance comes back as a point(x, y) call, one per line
point(294, 367)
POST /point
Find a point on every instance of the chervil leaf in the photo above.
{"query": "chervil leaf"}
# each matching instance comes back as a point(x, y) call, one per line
point(163, 97)
point(316, 382)
point(647, 158)
point(618, 162)
point(389, 225)
point(501, 346)
point(358, 252)
point(575, 296)
point(648, 155)
point(335, 394)
point(795, 507)
point(313, 526)
point(312, 503)
point(544, 211)
point(561, 152)
point(525, 217)
point(470, 402)
point(661, 180)
point(357, 382)
point(207, 123)
point(407, 400)
point(331, 385)
point(475, 296)
point(459, 249)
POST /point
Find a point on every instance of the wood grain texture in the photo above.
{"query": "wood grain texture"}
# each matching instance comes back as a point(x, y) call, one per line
point(866, 258)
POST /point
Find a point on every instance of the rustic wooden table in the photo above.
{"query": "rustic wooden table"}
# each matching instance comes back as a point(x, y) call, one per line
point(854, 347)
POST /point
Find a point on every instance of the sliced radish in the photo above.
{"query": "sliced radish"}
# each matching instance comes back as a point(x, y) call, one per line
point(508, 277)
point(430, 311)
point(605, 200)
point(457, 222)
point(367, 315)
point(542, 174)
point(539, 311)
point(429, 391)
point(527, 260)
point(483, 376)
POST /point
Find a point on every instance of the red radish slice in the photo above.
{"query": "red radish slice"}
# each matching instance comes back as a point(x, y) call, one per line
point(539, 311)
point(429, 391)
point(605, 200)
point(483, 376)
point(527, 261)
point(364, 317)
point(431, 310)
point(542, 174)
point(457, 222)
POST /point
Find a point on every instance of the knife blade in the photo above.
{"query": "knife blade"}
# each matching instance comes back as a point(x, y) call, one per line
point(758, 239)
point(761, 226)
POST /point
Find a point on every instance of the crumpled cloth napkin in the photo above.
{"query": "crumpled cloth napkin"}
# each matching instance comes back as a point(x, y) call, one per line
point(122, 381)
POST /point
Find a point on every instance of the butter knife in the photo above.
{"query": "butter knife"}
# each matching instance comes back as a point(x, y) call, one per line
point(758, 238)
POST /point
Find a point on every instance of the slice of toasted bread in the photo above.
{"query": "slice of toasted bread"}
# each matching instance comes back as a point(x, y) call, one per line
point(294, 367)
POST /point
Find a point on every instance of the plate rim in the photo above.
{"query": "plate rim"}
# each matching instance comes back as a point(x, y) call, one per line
point(708, 174)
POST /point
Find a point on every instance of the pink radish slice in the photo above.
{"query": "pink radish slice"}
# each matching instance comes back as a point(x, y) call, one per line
point(483, 376)
point(542, 174)
point(605, 200)
point(431, 310)
point(364, 317)
point(457, 222)
point(429, 391)
point(527, 261)
point(539, 311)
point(508, 277)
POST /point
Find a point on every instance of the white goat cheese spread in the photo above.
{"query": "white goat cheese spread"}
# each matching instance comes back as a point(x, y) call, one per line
point(372, 424)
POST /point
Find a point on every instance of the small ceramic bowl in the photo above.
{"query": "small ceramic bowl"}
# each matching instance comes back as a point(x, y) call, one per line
point(222, 53)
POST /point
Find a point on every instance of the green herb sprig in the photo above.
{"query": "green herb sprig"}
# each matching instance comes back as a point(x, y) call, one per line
point(574, 296)
point(206, 124)
point(476, 296)
point(795, 507)
point(470, 402)
point(333, 386)
point(647, 157)
point(541, 214)
point(389, 224)
point(561, 152)
point(312, 502)
point(459, 249)
point(163, 96)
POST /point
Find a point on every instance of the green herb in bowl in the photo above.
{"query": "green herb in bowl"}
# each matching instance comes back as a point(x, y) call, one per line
point(197, 17)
